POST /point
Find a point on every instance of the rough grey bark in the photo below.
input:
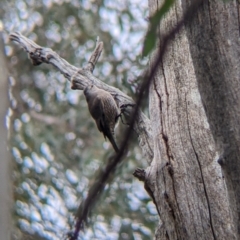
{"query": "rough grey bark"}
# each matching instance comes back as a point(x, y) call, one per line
point(5, 179)
point(217, 60)
point(185, 178)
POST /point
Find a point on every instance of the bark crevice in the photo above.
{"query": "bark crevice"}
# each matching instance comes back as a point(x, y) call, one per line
point(163, 134)
point(209, 15)
point(201, 173)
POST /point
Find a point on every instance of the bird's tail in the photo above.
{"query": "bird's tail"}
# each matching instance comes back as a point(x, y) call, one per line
point(111, 139)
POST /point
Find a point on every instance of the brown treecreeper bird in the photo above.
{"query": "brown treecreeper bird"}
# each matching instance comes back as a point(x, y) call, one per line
point(104, 110)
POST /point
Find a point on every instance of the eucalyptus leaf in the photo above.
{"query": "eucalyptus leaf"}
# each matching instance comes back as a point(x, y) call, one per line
point(150, 39)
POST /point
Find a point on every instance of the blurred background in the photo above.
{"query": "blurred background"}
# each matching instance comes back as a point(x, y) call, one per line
point(55, 147)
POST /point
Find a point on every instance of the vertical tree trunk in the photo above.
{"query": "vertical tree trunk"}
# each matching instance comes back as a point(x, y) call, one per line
point(217, 60)
point(5, 174)
point(185, 177)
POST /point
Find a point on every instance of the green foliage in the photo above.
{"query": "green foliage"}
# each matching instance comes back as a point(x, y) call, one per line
point(150, 39)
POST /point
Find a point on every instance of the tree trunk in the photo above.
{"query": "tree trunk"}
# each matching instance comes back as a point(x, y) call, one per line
point(194, 111)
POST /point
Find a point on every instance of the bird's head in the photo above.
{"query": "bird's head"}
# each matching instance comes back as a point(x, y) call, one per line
point(90, 90)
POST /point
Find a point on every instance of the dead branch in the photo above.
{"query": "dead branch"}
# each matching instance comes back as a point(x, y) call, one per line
point(81, 77)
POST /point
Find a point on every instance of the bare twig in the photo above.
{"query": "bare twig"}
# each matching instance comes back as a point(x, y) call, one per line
point(94, 57)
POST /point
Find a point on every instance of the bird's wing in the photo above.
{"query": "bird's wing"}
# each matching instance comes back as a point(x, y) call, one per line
point(101, 125)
